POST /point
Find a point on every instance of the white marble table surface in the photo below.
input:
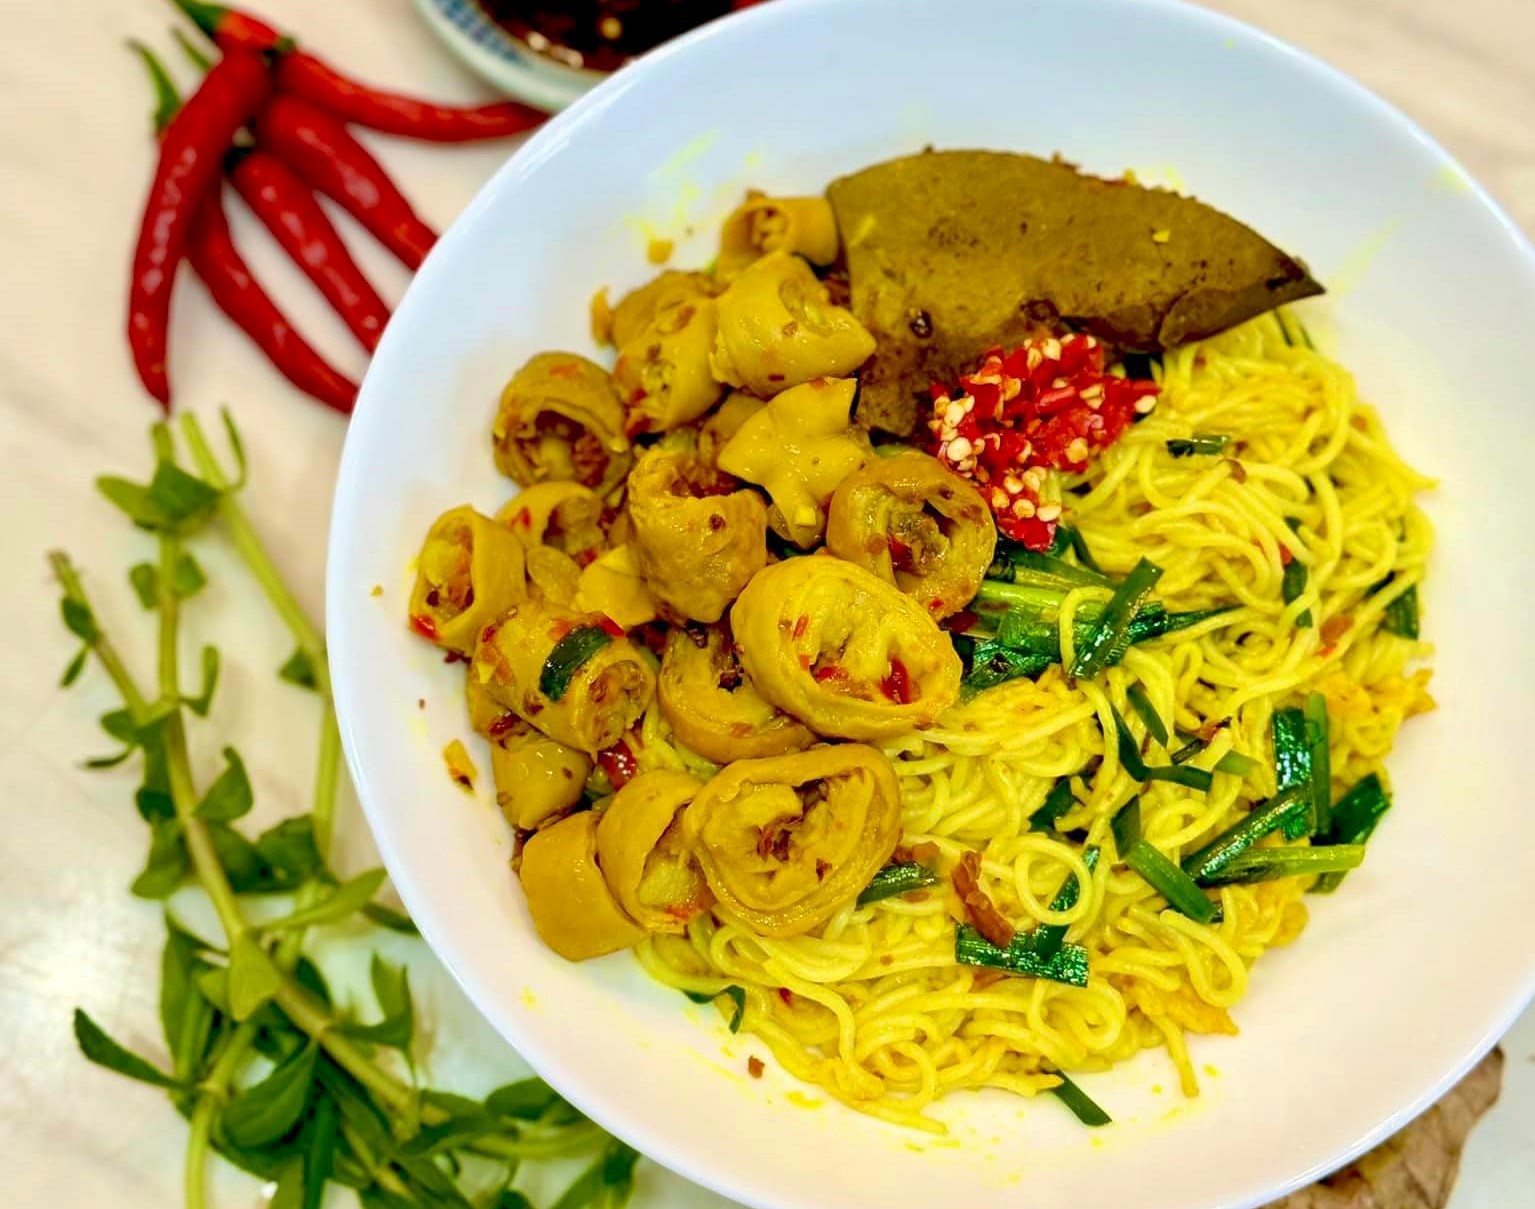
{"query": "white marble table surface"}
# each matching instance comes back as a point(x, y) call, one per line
point(74, 160)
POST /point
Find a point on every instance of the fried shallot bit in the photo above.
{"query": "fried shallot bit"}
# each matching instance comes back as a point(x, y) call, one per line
point(983, 913)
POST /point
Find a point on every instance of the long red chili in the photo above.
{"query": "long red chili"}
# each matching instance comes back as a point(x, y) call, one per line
point(191, 161)
point(285, 204)
point(303, 75)
point(319, 149)
point(218, 262)
point(239, 295)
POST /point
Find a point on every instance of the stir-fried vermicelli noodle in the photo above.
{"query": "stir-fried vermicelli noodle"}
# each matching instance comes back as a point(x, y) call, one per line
point(872, 1005)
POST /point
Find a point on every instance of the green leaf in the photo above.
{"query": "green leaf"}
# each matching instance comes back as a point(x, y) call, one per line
point(253, 979)
point(186, 1015)
point(391, 987)
point(166, 867)
point(229, 797)
point(361, 1116)
point(75, 667)
point(201, 703)
point(188, 579)
point(320, 1155)
point(377, 1198)
point(346, 900)
point(430, 1183)
point(525, 1100)
point(609, 1182)
point(180, 497)
point(236, 447)
point(299, 670)
point(308, 976)
point(79, 620)
point(145, 578)
point(289, 849)
point(120, 725)
point(388, 917)
point(510, 1198)
point(103, 1051)
point(97, 763)
point(214, 985)
point(736, 995)
point(131, 498)
point(267, 1111)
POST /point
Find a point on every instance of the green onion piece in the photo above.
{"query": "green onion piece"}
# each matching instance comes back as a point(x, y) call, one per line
point(1172, 883)
point(1189, 750)
point(973, 949)
point(1154, 621)
point(1130, 756)
point(567, 658)
point(1235, 764)
point(1401, 615)
point(1013, 563)
point(1079, 548)
point(1141, 704)
point(1288, 812)
point(1046, 939)
point(992, 664)
point(1094, 654)
point(1200, 443)
point(1317, 738)
point(895, 880)
point(1057, 803)
point(1354, 818)
point(736, 995)
point(1294, 581)
point(1267, 864)
point(1292, 751)
point(1082, 1105)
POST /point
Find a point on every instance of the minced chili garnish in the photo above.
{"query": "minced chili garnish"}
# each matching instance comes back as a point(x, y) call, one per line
point(424, 626)
point(1046, 405)
point(619, 763)
point(610, 626)
point(897, 685)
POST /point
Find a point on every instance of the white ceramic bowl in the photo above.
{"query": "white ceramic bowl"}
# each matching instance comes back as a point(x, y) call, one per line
point(1402, 979)
point(501, 60)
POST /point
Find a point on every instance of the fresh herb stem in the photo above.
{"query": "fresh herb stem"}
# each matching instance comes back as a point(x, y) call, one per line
point(255, 556)
point(195, 1171)
point(100, 645)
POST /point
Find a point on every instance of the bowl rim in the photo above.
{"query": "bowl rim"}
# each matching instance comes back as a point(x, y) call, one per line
point(525, 161)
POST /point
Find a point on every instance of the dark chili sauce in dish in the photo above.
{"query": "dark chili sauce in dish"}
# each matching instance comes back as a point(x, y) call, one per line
point(603, 35)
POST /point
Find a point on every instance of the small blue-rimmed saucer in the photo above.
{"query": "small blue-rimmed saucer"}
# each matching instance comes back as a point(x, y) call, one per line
point(502, 60)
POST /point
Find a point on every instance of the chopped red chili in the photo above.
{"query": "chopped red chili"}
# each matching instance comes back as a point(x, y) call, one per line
point(619, 763)
point(1046, 405)
point(424, 626)
point(754, 1067)
point(829, 671)
point(801, 623)
point(610, 626)
point(897, 685)
point(501, 725)
point(786, 995)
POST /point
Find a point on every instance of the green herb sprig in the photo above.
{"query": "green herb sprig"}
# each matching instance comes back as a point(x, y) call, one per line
point(267, 1070)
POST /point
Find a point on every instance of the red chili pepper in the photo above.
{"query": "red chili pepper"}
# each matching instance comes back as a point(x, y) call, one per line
point(303, 75)
point(424, 626)
point(191, 159)
point(619, 764)
point(829, 671)
point(285, 204)
point(609, 626)
point(319, 149)
point(501, 725)
point(230, 28)
point(239, 295)
point(897, 685)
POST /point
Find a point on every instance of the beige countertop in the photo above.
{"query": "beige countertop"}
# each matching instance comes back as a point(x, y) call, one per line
point(74, 159)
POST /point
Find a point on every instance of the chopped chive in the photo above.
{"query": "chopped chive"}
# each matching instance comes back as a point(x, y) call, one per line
point(1288, 812)
point(1014, 563)
point(1318, 739)
point(1068, 966)
point(1162, 875)
point(1046, 939)
point(1294, 581)
point(1082, 1105)
point(897, 879)
point(736, 995)
point(1235, 764)
point(1094, 653)
point(1189, 750)
point(1292, 751)
point(1141, 704)
point(1401, 615)
point(1199, 443)
point(1057, 803)
point(570, 653)
point(1139, 770)
point(1354, 818)
point(1268, 864)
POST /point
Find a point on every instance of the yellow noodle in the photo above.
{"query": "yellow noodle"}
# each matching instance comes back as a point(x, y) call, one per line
point(872, 1006)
